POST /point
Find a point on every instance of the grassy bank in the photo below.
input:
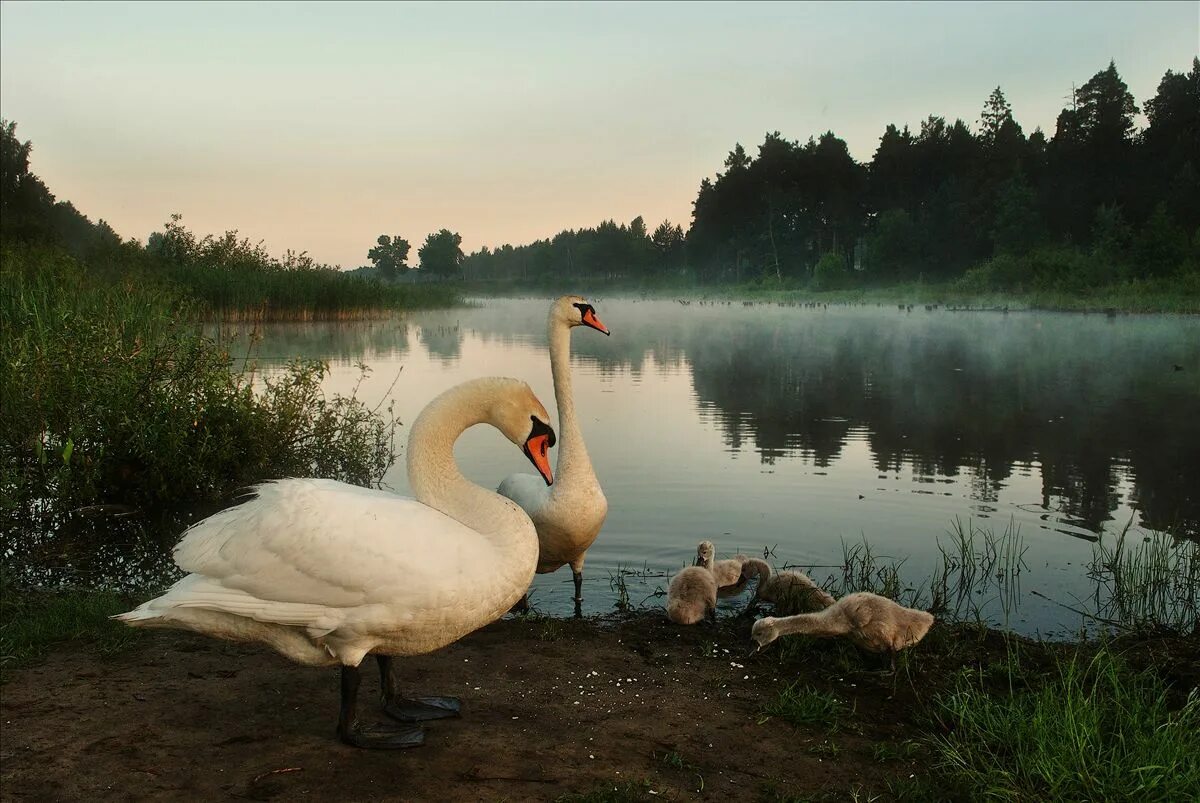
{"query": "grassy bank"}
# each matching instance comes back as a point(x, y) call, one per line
point(1149, 296)
point(1050, 278)
point(971, 714)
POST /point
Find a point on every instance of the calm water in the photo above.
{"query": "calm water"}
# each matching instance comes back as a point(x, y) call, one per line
point(796, 429)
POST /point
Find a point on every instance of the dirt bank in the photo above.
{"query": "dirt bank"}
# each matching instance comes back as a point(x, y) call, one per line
point(552, 708)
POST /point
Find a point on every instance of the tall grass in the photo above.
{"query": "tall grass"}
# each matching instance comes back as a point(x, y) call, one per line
point(1097, 731)
point(972, 561)
point(115, 402)
point(1151, 584)
point(234, 279)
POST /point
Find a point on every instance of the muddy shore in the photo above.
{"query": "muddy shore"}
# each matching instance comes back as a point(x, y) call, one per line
point(552, 708)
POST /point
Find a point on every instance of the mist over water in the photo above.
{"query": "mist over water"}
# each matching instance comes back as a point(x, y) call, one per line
point(796, 430)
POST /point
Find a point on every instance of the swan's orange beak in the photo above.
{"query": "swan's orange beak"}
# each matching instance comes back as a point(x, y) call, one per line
point(537, 449)
point(590, 319)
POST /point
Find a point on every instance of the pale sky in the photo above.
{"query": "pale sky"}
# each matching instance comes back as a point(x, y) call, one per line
point(317, 126)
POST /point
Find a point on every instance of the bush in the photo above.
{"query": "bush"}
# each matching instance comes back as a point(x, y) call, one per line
point(114, 400)
point(1057, 268)
point(831, 272)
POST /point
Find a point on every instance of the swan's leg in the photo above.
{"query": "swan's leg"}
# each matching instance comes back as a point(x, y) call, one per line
point(578, 592)
point(521, 605)
point(418, 709)
point(380, 737)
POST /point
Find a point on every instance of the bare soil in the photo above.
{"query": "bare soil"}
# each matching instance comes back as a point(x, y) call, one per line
point(551, 708)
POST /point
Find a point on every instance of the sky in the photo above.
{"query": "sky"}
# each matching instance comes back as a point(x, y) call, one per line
point(317, 127)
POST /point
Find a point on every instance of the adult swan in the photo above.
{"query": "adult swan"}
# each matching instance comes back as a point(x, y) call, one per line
point(568, 516)
point(326, 572)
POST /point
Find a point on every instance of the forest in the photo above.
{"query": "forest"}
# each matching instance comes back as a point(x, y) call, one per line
point(988, 206)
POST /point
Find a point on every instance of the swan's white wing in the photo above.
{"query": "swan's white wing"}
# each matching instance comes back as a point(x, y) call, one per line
point(527, 490)
point(301, 547)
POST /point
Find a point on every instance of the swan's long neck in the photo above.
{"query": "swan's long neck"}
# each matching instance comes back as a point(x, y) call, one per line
point(828, 622)
point(573, 461)
point(433, 474)
point(761, 570)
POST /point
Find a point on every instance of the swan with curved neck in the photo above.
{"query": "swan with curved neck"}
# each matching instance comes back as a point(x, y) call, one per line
point(327, 573)
point(568, 517)
point(790, 591)
point(730, 579)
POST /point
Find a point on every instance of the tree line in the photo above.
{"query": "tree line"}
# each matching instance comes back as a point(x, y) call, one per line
point(1097, 202)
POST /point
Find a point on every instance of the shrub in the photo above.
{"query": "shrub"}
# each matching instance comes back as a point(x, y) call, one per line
point(115, 400)
point(831, 272)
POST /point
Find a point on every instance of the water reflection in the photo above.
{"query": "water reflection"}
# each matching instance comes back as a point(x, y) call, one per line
point(1091, 401)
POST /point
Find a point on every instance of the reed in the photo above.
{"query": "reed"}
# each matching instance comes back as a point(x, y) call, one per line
point(1150, 582)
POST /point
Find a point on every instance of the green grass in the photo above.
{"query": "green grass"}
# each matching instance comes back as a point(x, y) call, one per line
point(1096, 731)
point(31, 623)
point(808, 707)
point(897, 751)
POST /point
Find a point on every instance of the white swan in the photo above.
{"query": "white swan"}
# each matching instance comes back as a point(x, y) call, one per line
point(326, 572)
point(568, 517)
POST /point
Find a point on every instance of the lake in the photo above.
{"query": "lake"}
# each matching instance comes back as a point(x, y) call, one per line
point(804, 430)
point(799, 432)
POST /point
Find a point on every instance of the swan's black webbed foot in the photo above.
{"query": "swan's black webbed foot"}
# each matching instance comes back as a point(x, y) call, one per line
point(374, 737)
point(419, 709)
point(381, 737)
point(422, 709)
point(521, 605)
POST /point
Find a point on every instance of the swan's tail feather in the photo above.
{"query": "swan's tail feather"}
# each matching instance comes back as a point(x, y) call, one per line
point(197, 591)
point(138, 615)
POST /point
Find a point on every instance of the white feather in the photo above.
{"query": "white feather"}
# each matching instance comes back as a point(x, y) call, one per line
point(358, 570)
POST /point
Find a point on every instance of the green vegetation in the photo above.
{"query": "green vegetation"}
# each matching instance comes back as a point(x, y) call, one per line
point(115, 403)
point(805, 706)
point(1096, 731)
point(1151, 585)
point(33, 622)
point(234, 279)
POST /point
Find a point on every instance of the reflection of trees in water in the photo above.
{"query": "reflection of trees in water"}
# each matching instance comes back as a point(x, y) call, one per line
point(1087, 398)
point(443, 341)
point(337, 343)
point(1082, 396)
